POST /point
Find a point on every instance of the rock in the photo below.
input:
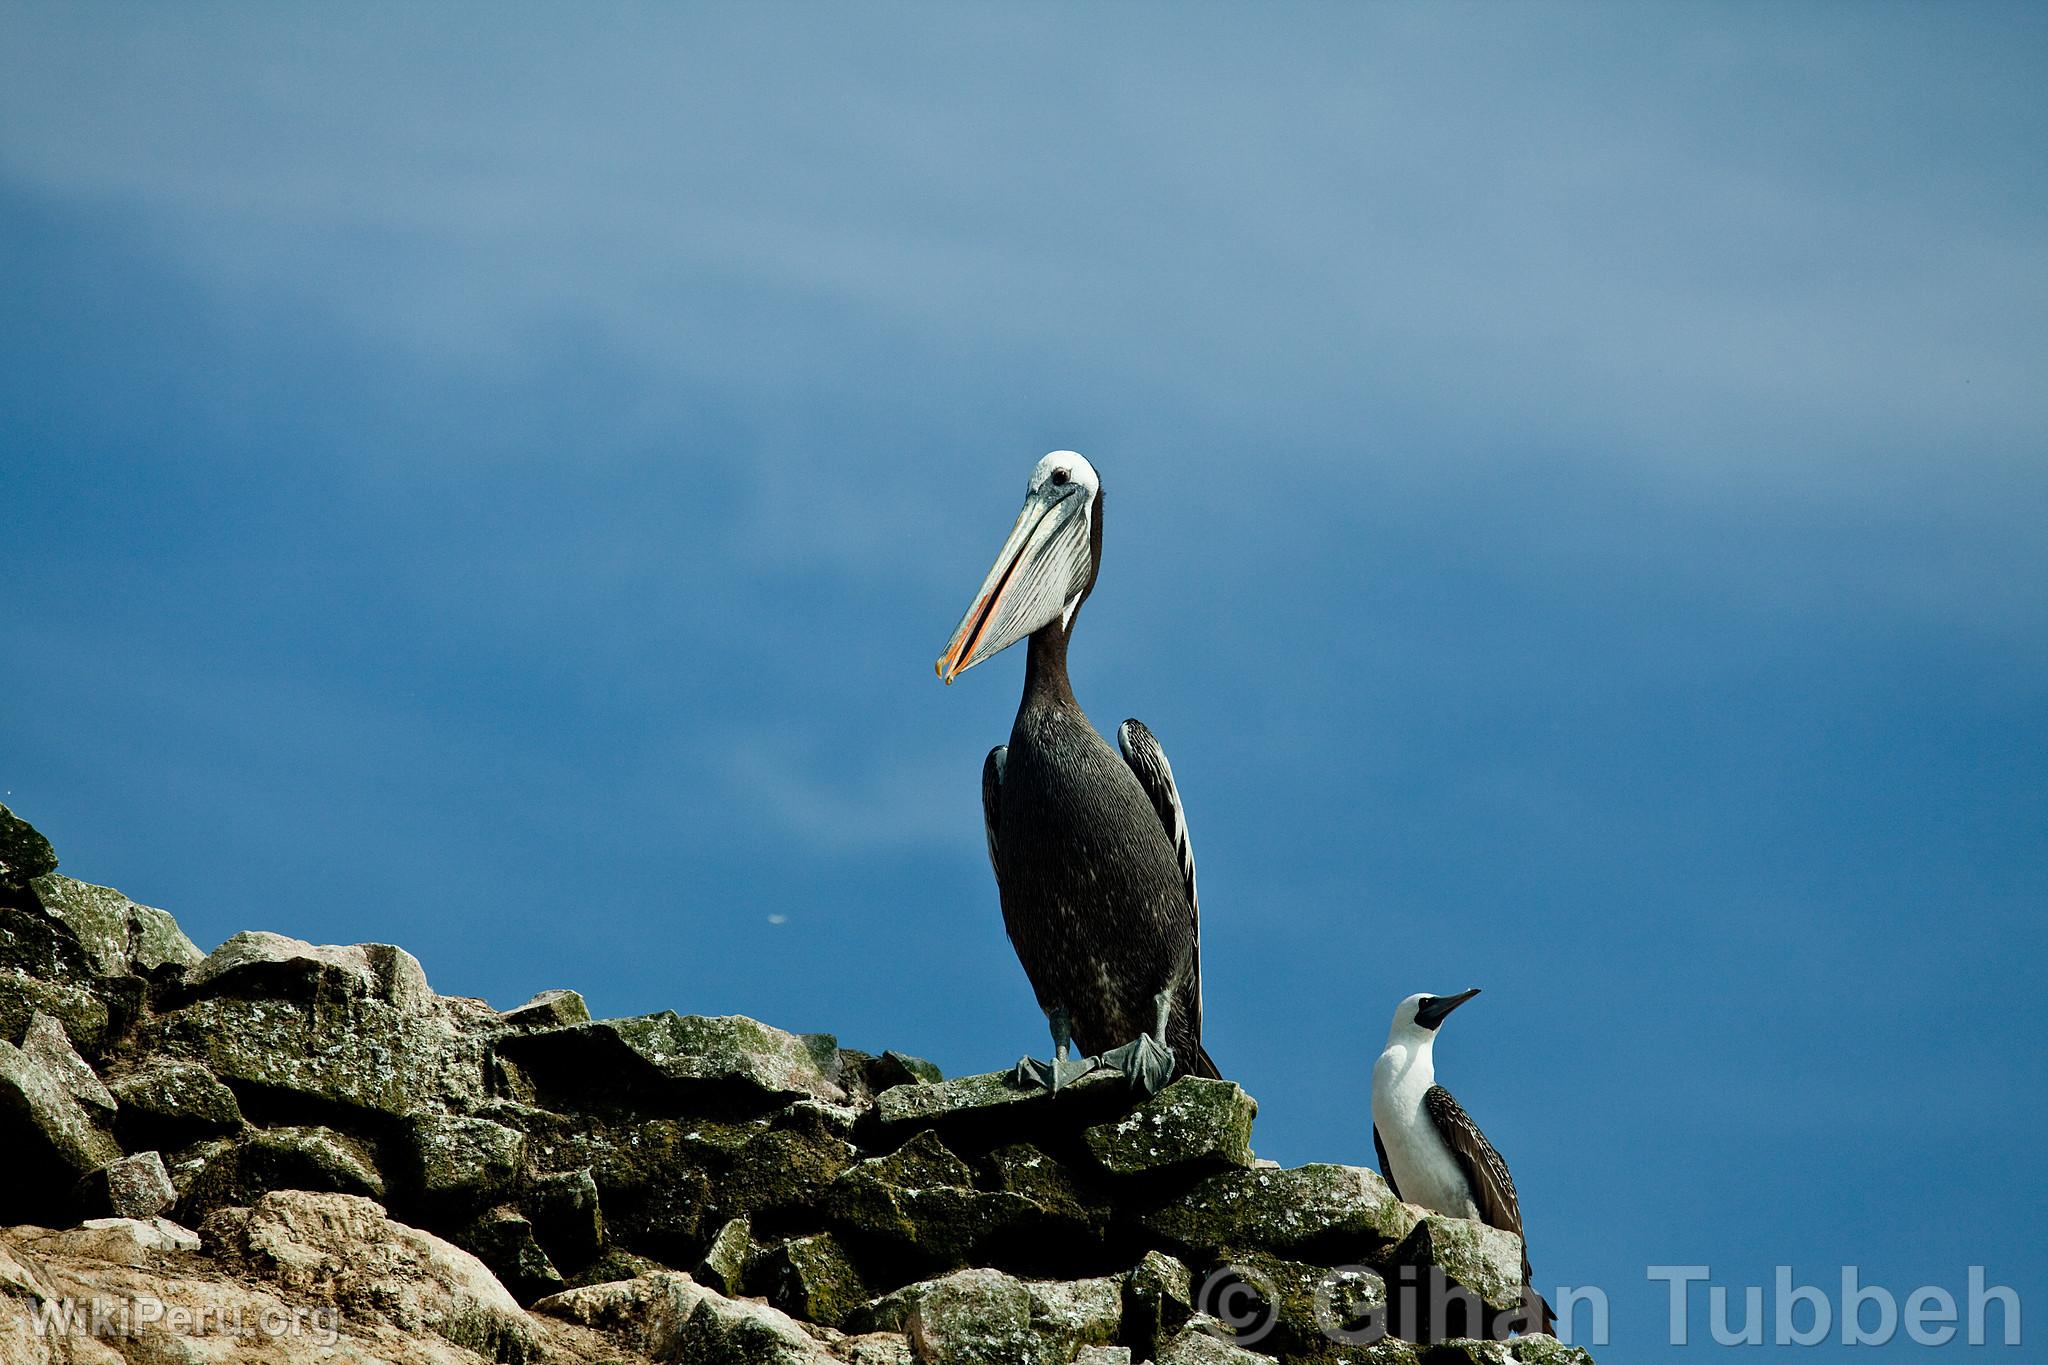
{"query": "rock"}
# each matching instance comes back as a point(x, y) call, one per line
point(503, 1239)
point(1483, 1259)
point(44, 970)
point(991, 1104)
point(876, 1348)
point(644, 1315)
point(24, 853)
point(342, 1250)
point(670, 1058)
point(810, 1278)
point(1158, 1301)
point(1192, 1123)
point(566, 1216)
point(1300, 1212)
point(329, 1045)
point(457, 1163)
point(984, 1317)
point(722, 1331)
point(1103, 1355)
point(139, 1242)
point(732, 1250)
point(118, 935)
point(1299, 1305)
point(132, 1187)
point(53, 1141)
point(1535, 1349)
point(1204, 1341)
point(221, 1172)
point(549, 1009)
point(651, 1174)
point(46, 1043)
point(780, 1171)
point(260, 964)
point(169, 1103)
point(918, 1205)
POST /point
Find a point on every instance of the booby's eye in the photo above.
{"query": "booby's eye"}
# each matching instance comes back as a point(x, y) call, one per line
point(1060, 476)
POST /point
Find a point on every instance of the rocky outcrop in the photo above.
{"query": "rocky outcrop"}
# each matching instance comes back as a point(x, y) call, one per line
point(284, 1151)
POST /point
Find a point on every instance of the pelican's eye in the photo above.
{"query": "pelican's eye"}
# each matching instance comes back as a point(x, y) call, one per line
point(1060, 476)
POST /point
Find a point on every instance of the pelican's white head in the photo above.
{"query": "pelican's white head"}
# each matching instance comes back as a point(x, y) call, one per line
point(1044, 569)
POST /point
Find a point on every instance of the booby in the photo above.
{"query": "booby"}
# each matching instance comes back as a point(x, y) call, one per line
point(1090, 847)
point(1430, 1150)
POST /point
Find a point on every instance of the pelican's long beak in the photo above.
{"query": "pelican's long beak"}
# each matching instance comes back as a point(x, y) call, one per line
point(1042, 566)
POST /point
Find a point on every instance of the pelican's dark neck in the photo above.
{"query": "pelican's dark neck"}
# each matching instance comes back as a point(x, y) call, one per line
point(1045, 670)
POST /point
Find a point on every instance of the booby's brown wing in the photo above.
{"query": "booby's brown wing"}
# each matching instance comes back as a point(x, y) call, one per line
point(1148, 762)
point(1493, 1189)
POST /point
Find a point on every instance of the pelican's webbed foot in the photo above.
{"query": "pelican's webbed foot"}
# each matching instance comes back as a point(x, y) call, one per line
point(1055, 1075)
point(1148, 1062)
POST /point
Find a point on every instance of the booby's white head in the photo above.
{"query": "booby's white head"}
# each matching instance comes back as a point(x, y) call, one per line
point(1044, 569)
point(1417, 1018)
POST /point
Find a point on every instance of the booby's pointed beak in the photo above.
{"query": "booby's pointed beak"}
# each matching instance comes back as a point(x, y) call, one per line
point(1042, 566)
point(1437, 1008)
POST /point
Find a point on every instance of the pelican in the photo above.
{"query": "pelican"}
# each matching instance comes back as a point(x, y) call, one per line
point(1090, 848)
point(1430, 1150)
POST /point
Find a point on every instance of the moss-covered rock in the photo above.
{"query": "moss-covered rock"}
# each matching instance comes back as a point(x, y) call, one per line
point(992, 1103)
point(1309, 1212)
point(133, 1187)
point(549, 1009)
point(1303, 1308)
point(118, 935)
point(24, 852)
point(454, 1161)
point(653, 1176)
point(1529, 1350)
point(780, 1171)
point(503, 1239)
point(728, 1257)
point(47, 1044)
point(919, 1209)
point(567, 1216)
point(985, 1317)
point(1483, 1259)
point(1206, 1342)
point(722, 1331)
point(1158, 1301)
point(169, 1103)
point(670, 1059)
point(1192, 1123)
point(304, 1158)
point(52, 1139)
point(336, 1048)
point(810, 1278)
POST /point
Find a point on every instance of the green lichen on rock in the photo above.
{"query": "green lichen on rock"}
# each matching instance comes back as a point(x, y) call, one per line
point(811, 1278)
point(781, 1171)
point(171, 1102)
point(306, 1158)
point(567, 1216)
point(452, 1159)
point(51, 1133)
point(1204, 1341)
point(1311, 1306)
point(1528, 1350)
point(503, 1239)
point(1302, 1211)
point(992, 1101)
point(1193, 1122)
point(727, 1258)
point(24, 852)
point(671, 1059)
point(118, 935)
point(1158, 1301)
point(985, 1317)
point(549, 1009)
point(920, 1204)
point(1486, 1260)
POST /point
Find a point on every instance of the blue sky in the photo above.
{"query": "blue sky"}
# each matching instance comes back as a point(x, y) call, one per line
point(496, 481)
